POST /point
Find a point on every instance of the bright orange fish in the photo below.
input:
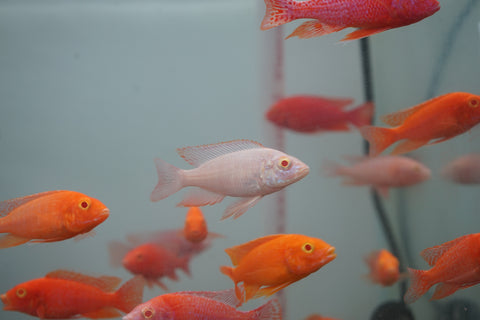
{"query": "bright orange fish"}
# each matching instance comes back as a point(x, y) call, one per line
point(195, 229)
point(64, 295)
point(269, 264)
point(430, 122)
point(384, 267)
point(454, 265)
point(49, 216)
point(318, 317)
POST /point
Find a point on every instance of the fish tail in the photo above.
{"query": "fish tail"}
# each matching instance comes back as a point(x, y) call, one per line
point(379, 138)
point(276, 14)
point(185, 265)
point(130, 294)
point(228, 271)
point(362, 115)
point(270, 310)
point(169, 180)
point(419, 285)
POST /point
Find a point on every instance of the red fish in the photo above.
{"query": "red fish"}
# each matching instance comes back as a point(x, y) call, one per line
point(195, 229)
point(201, 305)
point(269, 264)
point(49, 216)
point(370, 16)
point(65, 295)
point(384, 267)
point(454, 266)
point(318, 317)
point(310, 114)
point(430, 122)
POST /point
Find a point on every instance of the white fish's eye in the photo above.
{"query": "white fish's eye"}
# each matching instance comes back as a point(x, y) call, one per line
point(284, 163)
point(148, 312)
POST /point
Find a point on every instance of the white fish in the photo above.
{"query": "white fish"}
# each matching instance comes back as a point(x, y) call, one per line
point(240, 168)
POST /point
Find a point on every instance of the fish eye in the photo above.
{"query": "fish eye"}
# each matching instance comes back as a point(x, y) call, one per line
point(307, 247)
point(473, 103)
point(148, 312)
point(284, 163)
point(21, 292)
point(84, 204)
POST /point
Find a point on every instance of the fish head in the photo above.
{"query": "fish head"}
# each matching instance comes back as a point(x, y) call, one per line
point(468, 114)
point(304, 255)
point(410, 172)
point(84, 213)
point(195, 229)
point(410, 11)
point(387, 268)
point(281, 170)
point(21, 298)
point(154, 309)
point(149, 260)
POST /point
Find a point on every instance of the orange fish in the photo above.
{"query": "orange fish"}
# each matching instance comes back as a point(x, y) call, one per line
point(318, 317)
point(64, 295)
point(454, 265)
point(269, 264)
point(384, 267)
point(430, 122)
point(49, 216)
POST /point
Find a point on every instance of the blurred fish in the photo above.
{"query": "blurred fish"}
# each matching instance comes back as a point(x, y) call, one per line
point(384, 267)
point(153, 262)
point(195, 229)
point(381, 173)
point(66, 295)
point(370, 16)
point(430, 122)
point(318, 317)
point(454, 265)
point(269, 264)
point(310, 114)
point(464, 169)
point(49, 216)
point(239, 168)
point(201, 305)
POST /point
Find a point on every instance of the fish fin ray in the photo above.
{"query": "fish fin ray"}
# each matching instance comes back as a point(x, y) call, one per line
point(362, 33)
point(198, 197)
point(270, 310)
point(130, 294)
point(419, 285)
point(379, 138)
point(313, 28)
point(105, 283)
point(268, 291)
point(251, 291)
point(443, 290)
point(10, 240)
point(169, 180)
point(399, 117)
point(276, 14)
point(239, 207)
point(407, 146)
point(8, 206)
point(431, 255)
point(237, 253)
point(198, 155)
point(362, 115)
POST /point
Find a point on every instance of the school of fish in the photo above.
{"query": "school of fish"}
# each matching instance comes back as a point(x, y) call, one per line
point(247, 171)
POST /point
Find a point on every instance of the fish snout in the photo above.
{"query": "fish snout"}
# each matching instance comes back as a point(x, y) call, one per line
point(330, 254)
point(5, 301)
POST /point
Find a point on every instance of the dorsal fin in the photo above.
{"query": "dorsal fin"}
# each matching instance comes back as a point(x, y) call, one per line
point(398, 118)
point(226, 296)
point(8, 205)
point(105, 283)
point(431, 255)
point(201, 154)
point(238, 252)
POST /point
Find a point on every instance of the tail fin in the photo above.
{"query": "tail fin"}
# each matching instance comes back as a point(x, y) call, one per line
point(379, 138)
point(270, 310)
point(130, 294)
point(276, 14)
point(362, 115)
point(419, 285)
point(239, 292)
point(169, 180)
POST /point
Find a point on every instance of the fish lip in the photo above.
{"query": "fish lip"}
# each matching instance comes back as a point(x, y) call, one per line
point(5, 301)
point(330, 254)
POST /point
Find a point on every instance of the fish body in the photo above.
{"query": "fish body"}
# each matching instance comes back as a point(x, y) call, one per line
point(309, 114)
point(369, 16)
point(268, 264)
point(384, 267)
point(381, 173)
point(201, 305)
point(432, 121)
point(454, 266)
point(318, 317)
point(49, 216)
point(240, 168)
point(65, 295)
point(463, 170)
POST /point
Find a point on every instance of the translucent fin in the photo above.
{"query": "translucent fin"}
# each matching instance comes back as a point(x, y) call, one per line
point(169, 180)
point(407, 146)
point(238, 208)
point(270, 310)
point(276, 14)
point(130, 294)
point(379, 138)
point(268, 291)
point(198, 197)
point(8, 205)
point(418, 285)
point(237, 253)
point(117, 250)
point(362, 115)
point(362, 33)
point(431, 255)
point(443, 290)
point(10, 240)
point(313, 28)
point(104, 283)
point(201, 154)
point(250, 291)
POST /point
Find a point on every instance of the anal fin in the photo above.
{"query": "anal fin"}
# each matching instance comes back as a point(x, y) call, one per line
point(313, 28)
point(362, 33)
point(198, 197)
point(10, 240)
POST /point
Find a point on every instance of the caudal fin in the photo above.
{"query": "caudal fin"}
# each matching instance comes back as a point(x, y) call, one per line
point(169, 180)
point(419, 285)
point(276, 14)
point(362, 115)
point(379, 138)
point(270, 310)
point(130, 294)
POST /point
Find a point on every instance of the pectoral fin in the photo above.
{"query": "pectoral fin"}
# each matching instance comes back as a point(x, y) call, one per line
point(10, 240)
point(238, 208)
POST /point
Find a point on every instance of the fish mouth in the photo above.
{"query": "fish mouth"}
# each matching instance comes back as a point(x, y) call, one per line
point(5, 301)
point(330, 255)
point(103, 215)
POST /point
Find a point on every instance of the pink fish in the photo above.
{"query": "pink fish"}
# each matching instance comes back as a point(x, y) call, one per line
point(370, 16)
point(201, 305)
point(464, 170)
point(310, 114)
point(381, 172)
point(241, 168)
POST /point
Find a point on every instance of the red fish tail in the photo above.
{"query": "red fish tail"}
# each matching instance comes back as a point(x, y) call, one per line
point(362, 115)
point(276, 14)
point(270, 310)
point(169, 180)
point(130, 294)
point(379, 138)
point(419, 285)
